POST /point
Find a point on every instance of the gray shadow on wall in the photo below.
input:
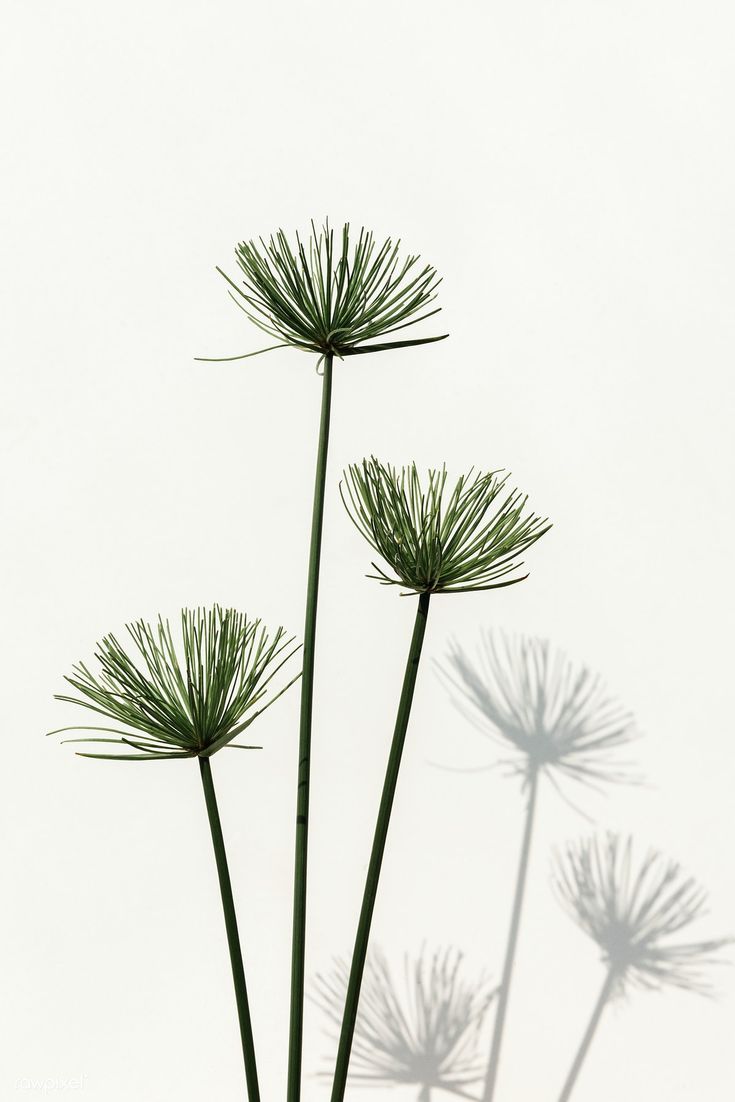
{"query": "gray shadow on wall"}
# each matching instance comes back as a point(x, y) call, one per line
point(634, 910)
point(421, 1029)
point(554, 723)
point(546, 714)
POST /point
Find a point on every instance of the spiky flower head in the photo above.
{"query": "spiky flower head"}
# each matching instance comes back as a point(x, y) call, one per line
point(555, 717)
point(437, 540)
point(426, 1034)
point(632, 910)
point(186, 700)
point(331, 298)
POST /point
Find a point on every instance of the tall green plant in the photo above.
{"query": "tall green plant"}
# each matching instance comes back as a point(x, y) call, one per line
point(327, 299)
point(433, 541)
point(190, 700)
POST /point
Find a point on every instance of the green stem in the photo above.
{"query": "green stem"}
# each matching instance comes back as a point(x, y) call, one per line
point(376, 857)
point(233, 938)
point(607, 989)
point(298, 942)
point(510, 951)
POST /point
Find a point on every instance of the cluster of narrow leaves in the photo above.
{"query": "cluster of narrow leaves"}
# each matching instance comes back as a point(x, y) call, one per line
point(426, 1034)
point(326, 299)
point(632, 912)
point(436, 540)
point(556, 717)
point(179, 706)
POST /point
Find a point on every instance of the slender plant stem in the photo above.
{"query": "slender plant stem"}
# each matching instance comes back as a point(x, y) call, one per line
point(359, 954)
point(298, 942)
point(607, 989)
point(233, 938)
point(425, 1093)
point(510, 951)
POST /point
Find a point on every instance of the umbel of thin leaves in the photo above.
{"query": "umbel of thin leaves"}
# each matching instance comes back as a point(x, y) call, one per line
point(180, 700)
point(635, 912)
point(424, 1031)
point(436, 539)
point(331, 298)
point(555, 717)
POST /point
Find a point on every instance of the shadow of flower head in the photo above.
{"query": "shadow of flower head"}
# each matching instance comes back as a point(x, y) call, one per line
point(424, 1032)
point(557, 717)
point(633, 910)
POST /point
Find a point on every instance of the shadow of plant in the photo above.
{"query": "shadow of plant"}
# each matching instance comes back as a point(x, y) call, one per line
point(632, 911)
point(423, 1031)
point(559, 723)
point(555, 717)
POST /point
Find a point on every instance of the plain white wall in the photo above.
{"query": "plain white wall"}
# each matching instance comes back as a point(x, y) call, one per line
point(568, 168)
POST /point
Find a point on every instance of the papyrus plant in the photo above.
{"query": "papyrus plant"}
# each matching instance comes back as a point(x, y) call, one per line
point(558, 724)
point(332, 300)
point(188, 698)
point(433, 540)
point(634, 911)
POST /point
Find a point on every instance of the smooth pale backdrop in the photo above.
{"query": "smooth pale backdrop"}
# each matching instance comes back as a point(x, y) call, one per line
point(568, 168)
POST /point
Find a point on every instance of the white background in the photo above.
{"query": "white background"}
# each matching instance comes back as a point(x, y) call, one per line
point(568, 168)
